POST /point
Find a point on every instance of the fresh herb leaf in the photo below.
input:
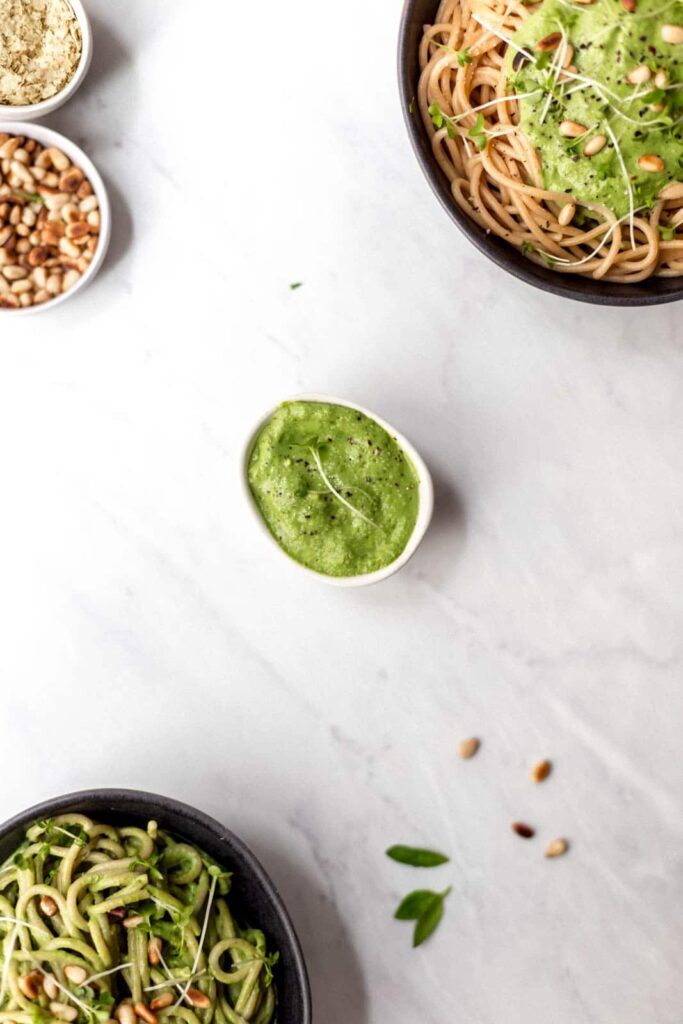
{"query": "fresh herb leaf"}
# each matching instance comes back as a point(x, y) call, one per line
point(414, 905)
point(464, 57)
point(527, 248)
point(416, 857)
point(667, 232)
point(295, 284)
point(543, 60)
point(656, 96)
point(429, 920)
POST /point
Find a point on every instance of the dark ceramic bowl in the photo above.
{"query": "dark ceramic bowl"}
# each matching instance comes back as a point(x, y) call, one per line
point(253, 895)
point(417, 13)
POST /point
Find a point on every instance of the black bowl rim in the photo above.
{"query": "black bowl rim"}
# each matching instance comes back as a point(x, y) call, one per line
point(223, 835)
point(505, 256)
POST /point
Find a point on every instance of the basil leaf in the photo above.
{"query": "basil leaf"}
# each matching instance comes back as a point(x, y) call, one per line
point(429, 920)
point(415, 904)
point(416, 857)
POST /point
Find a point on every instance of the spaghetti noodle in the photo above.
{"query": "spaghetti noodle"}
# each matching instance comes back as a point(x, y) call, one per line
point(498, 94)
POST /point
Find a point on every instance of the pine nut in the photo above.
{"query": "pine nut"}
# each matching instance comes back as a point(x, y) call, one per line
point(75, 973)
point(50, 987)
point(14, 272)
point(39, 297)
point(154, 951)
point(672, 34)
point(134, 920)
point(662, 79)
point(89, 204)
point(26, 300)
point(651, 163)
point(468, 748)
point(29, 984)
point(550, 42)
point(639, 75)
point(57, 159)
point(125, 1014)
point(557, 848)
point(161, 1002)
point(78, 231)
point(71, 180)
point(9, 302)
point(198, 999)
point(594, 145)
point(48, 906)
point(568, 56)
point(541, 771)
point(22, 287)
point(525, 831)
point(64, 1012)
point(572, 129)
point(146, 1014)
point(69, 249)
point(672, 191)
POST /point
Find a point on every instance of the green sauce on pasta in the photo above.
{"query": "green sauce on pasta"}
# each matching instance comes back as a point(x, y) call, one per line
point(99, 924)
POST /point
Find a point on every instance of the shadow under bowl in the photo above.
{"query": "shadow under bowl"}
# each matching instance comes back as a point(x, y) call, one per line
point(651, 292)
point(253, 895)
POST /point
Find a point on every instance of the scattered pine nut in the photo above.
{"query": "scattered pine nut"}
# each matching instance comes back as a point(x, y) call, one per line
point(550, 42)
point(672, 191)
point(50, 987)
point(163, 1001)
point(557, 848)
point(651, 162)
point(629, 6)
point(144, 1013)
point(566, 214)
point(568, 56)
point(47, 904)
point(29, 984)
point(468, 748)
point(154, 951)
point(541, 771)
point(525, 831)
point(662, 79)
point(75, 973)
point(133, 921)
point(572, 129)
point(594, 145)
point(639, 75)
point(125, 1014)
point(64, 1012)
point(198, 999)
point(672, 34)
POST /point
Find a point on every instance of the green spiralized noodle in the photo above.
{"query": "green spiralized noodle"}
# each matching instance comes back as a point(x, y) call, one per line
point(88, 895)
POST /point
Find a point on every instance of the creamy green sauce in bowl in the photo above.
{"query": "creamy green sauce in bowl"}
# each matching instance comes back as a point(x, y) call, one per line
point(624, 88)
point(335, 489)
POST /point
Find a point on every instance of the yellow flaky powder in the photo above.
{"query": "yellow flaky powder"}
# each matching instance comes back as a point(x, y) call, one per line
point(40, 47)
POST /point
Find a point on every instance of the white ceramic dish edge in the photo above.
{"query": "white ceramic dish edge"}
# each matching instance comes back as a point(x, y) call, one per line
point(48, 137)
point(425, 508)
point(28, 111)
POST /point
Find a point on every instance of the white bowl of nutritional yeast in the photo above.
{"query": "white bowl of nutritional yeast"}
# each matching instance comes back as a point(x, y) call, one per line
point(28, 111)
point(425, 495)
point(47, 137)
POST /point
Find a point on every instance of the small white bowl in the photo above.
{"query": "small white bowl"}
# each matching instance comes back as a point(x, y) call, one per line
point(424, 512)
point(48, 137)
point(10, 112)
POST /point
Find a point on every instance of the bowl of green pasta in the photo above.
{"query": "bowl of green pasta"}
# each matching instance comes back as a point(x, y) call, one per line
point(121, 907)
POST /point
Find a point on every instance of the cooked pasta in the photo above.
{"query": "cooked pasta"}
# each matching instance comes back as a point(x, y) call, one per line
point(99, 922)
point(559, 128)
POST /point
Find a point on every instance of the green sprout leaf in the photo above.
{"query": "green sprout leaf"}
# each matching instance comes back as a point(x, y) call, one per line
point(436, 115)
point(416, 857)
point(295, 284)
point(667, 232)
point(478, 132)
point(464, 57)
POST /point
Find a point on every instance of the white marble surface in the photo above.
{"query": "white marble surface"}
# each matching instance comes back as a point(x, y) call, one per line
point(152, 639)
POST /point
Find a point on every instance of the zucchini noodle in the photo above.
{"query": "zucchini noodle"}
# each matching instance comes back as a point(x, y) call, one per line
point(108, 925)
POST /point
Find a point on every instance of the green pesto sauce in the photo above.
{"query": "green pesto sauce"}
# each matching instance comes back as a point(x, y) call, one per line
point(361, 462)
point(608, 43)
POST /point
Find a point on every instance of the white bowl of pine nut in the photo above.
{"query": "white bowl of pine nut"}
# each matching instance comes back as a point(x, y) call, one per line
point(55, 219)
